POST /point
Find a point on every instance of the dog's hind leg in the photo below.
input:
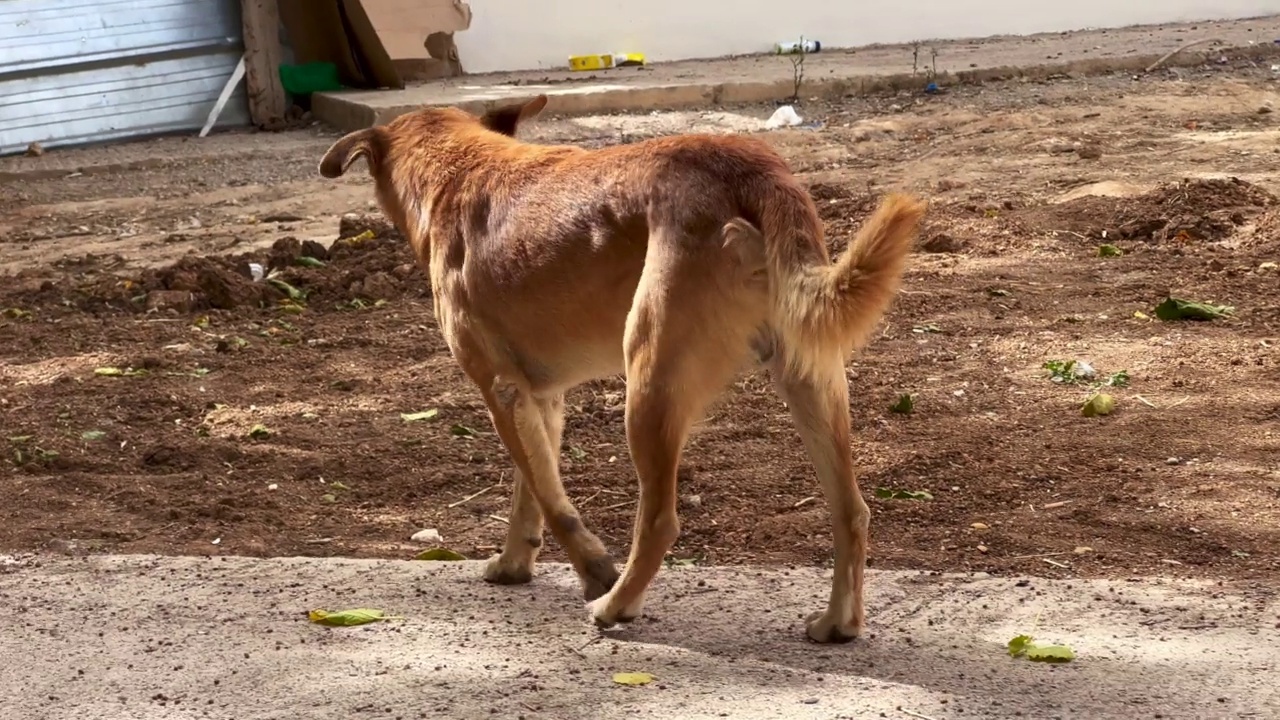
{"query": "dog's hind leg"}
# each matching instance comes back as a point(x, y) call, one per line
point(820, 408)
point(527, 425)
point(678, 360)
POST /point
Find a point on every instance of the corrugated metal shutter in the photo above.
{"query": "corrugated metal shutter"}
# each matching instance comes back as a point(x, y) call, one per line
point(77, 71)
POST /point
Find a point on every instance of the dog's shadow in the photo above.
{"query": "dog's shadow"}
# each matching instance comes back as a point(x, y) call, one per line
point(936, 636)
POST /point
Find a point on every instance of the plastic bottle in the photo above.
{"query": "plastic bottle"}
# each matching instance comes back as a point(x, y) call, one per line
point(793, 47)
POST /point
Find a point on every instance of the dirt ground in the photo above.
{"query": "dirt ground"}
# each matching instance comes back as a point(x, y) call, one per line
point(235, 420)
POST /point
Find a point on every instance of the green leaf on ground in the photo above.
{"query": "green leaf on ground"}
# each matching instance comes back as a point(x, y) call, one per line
point(259, 432)
point(1098, 404)
point(1117, 379)
point(1019, 645)
point(92, 435)
point(576, 452)
point(1026, 645)
point(891, 494)
point(1109, 251)
point(463, 431)
point(416, 416)
point(1062, 371)
point(440, 555)
point(1050, 653)
point(632, 678)
point(293, 292)
point(347, 618)
point(1178, 309)
point(905, 405)
point(308, 261)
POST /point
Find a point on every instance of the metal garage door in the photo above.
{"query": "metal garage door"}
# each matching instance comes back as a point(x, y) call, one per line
point(76, 71)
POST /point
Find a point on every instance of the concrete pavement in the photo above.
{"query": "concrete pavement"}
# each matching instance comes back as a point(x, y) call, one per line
point(140, 637)
point(829, 74)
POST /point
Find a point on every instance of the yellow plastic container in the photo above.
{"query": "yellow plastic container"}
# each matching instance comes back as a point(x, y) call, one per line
point(604, 61)
point(590, 62)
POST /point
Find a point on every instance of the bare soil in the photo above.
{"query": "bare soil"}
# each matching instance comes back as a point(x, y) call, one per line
point(246, 422)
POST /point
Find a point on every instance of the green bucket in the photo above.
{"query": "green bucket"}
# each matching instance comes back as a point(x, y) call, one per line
point(310, 78)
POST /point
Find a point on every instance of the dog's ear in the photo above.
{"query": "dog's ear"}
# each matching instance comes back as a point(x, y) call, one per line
point(505, 120)
point(369, 144)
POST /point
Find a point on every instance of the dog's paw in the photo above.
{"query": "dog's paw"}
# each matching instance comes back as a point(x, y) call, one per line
point(500, 572)
point(605, 615)
point(823, 627)
point(599, 578)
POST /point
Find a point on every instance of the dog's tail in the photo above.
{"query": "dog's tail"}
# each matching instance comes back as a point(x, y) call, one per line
point(827, 310)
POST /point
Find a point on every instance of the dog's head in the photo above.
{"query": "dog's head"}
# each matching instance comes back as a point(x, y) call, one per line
point(419, 129)
point(409, 156)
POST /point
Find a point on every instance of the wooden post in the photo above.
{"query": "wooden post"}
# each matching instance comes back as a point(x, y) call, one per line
point(261, 24)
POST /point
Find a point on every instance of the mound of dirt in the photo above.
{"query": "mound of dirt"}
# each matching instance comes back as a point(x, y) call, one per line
point(1192, 210)
point(369, 262)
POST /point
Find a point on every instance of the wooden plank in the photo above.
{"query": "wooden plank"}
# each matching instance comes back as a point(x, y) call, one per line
point(267, 100)
point(230, 85)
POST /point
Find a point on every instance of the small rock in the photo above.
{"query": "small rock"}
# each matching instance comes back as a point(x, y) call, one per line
point(1216, 265)
point(313, 249)
point(430, 535)
point(66, 547)
point(1083, 550)
point(283, 252)
point(942, 243)
point(1089, 152)
point(1264, 110)
point(979, 526)
point(1172, 461)
point(982, 548)
point(35, 149)
point(273, 486)
point(381, 286)
point(693, 500)
point(178, 300)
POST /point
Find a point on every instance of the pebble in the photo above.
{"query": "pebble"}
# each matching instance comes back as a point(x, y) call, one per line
point(429, 535)
point(1089, 152)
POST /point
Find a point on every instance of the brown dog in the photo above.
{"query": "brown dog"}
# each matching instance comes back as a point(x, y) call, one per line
point(680, 261)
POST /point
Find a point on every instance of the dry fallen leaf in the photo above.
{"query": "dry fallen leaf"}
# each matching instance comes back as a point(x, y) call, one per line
point(632, 678)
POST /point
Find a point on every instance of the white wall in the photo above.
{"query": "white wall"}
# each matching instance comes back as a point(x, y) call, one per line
point(529, 34)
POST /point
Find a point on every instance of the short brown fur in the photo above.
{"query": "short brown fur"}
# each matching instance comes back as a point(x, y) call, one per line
point(678, 261)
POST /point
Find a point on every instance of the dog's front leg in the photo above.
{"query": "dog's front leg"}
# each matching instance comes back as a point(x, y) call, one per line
point(527, 426)
point(514, 565)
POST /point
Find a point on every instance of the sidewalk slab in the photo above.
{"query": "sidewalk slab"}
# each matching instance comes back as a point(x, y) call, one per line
point(145, 637)
point(839, 72)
